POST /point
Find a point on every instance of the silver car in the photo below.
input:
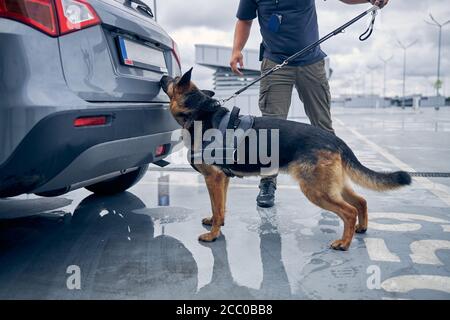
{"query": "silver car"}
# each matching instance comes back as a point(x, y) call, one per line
point(80, 100)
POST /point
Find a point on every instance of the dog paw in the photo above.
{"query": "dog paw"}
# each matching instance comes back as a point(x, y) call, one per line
point(209, 237)
point(209, 222)
point(340, 245)
point(360, 229)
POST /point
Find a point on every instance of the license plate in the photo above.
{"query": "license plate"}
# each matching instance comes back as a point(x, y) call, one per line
point(134, 54)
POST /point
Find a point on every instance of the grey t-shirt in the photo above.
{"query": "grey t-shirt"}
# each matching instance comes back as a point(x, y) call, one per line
point(298, 28)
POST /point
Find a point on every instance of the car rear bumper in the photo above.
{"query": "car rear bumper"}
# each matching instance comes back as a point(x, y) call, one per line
point(34, 82)
point(55, 154)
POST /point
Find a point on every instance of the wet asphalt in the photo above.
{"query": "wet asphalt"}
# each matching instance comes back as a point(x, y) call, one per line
point(142, 244)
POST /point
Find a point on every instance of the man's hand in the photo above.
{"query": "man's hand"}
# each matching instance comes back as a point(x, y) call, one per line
point(379, 3)
point(241, 35)
point(237, 58)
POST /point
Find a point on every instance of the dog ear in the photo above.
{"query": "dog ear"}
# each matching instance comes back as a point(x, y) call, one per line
point(209, 93)
point(186, 78)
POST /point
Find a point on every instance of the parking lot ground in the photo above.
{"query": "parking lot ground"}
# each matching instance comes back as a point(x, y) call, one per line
point(143, 244)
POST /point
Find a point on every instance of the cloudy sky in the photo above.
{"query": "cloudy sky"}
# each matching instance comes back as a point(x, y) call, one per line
point(212, 22)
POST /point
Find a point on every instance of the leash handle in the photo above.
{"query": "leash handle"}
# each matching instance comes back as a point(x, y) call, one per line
point(366, 35)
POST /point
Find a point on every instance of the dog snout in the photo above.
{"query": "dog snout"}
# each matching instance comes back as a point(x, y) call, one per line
point(165, 81)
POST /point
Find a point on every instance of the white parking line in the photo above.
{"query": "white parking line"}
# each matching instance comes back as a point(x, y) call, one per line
point(398, 227)
point(424, 251)
point(439, 190)
point(401, 227)
point(406, 217)
point(378, 250)
point(416, 282)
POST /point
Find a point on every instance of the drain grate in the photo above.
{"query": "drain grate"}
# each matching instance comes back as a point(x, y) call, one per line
point(430, 174)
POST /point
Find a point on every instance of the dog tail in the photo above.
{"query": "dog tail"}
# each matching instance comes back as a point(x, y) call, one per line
point(365, 177)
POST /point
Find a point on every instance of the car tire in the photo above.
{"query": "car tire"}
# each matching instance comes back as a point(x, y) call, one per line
point(118, 184)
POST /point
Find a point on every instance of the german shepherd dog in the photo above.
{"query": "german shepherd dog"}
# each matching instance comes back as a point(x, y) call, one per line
point(322, 163)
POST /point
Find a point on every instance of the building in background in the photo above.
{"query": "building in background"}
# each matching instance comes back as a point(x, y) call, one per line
point(361, 101)
point(376, 101)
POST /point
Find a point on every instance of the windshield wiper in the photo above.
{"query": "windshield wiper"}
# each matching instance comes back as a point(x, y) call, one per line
point(142, 7)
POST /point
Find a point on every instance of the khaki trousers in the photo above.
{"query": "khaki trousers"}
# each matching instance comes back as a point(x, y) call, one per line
point(313, 89)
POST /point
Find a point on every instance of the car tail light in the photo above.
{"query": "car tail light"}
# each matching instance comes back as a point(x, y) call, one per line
point(176, 53)
point(90, 121)
point(75, 15)
point(37, 13)
point(54, 17)
point(161, 150)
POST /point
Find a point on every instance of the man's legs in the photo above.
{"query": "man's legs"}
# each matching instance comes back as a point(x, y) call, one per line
point(314, 91)
point(274, 101)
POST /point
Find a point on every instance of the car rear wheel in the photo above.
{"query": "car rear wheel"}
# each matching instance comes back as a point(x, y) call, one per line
point(118, 184)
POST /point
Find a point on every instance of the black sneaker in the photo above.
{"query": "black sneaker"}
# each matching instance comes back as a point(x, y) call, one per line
point(266, 196)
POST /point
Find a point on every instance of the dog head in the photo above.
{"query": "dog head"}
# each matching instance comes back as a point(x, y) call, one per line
point(187, 102)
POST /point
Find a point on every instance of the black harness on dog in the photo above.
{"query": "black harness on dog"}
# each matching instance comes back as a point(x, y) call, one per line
point(231, 122)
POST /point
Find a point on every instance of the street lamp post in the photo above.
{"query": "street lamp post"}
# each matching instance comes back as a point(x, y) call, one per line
point(372, 70)
point(154, 10)
point(405, 48)
point(385, 62)
point(372, 92)
point(440, 26)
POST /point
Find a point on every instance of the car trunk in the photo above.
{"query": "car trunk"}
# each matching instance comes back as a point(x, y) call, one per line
point(121, 60)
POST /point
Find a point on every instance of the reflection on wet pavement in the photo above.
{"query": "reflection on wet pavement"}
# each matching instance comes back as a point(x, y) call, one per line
point(116, 250)
point(112, 241)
